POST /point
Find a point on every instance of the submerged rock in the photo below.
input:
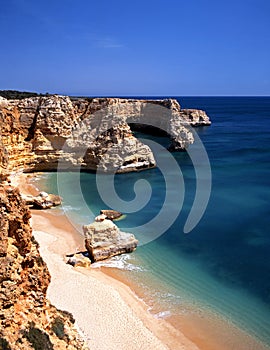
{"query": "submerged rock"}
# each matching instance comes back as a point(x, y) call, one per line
point(103, 239)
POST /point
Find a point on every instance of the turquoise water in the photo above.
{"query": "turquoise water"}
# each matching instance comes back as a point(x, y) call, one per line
point(223, 264)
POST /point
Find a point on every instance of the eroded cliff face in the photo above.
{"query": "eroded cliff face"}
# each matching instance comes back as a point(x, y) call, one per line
point(27, 319)
point(37, 132)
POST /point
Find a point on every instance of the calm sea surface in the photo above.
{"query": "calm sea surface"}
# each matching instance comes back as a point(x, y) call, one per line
point(223, 264)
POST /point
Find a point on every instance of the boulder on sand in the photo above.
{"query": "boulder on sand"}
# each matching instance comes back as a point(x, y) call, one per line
point(103, 239)
point(42, 201)
point(79, 260)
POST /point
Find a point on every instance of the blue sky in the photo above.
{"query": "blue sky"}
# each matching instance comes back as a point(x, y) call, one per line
point(142, 47)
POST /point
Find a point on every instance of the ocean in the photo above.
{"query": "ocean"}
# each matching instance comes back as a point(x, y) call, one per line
point(223, 264)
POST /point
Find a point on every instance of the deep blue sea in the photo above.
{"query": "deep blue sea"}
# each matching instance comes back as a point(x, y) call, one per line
point(223, 264)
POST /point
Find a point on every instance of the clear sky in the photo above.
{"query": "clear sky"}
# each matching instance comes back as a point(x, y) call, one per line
point(139, 47)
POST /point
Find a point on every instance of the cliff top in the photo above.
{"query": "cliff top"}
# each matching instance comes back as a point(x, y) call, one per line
point(19, 95)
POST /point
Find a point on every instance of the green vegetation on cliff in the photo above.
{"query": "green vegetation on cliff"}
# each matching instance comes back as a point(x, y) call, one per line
point(19, 95)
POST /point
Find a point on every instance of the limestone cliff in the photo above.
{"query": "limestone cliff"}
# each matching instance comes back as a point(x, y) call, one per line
point(88, 133)
point(27, 319)
point(35, 133)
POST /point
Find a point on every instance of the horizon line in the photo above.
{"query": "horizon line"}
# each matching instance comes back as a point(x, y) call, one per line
point(128, 95)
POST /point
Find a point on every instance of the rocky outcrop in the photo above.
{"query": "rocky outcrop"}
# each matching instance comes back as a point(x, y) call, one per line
point(111, 214)
point(27, 319)
point(79, 260)
point(42, 201)
point(39, 131)
point(195, 117)
point(3, 151)
point(103, 239)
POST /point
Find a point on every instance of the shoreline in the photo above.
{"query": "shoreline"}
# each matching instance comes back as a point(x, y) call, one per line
point(114, 307)
point(57, 237)
point(117, 318)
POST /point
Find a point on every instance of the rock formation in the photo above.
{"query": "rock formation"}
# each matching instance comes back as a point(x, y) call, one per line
point(111, 214)
point(37, 133)
point(90, 133)
point(79, 260)
point(27, 319)
point(195, 117)
point(103, 239)
point(42, 201)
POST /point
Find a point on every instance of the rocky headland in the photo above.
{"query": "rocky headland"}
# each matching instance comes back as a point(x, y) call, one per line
point(89, 133)
point(35, 134)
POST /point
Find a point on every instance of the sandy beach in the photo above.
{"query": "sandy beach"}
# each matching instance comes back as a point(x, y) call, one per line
point(107, 311)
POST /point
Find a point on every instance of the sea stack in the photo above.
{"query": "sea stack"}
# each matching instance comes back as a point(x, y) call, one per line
point(103, 239)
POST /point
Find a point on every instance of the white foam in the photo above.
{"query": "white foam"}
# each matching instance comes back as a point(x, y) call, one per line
point(119, 262)
point(69, 208)
point(163, 314)
point(173, 298)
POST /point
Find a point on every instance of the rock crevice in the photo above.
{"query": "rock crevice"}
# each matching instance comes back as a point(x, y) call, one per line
point(32, 128)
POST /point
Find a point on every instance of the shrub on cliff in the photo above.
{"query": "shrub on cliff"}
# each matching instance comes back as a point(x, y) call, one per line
point(19, 95)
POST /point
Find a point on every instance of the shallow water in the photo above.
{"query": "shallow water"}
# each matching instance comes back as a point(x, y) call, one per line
point(223, 264)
